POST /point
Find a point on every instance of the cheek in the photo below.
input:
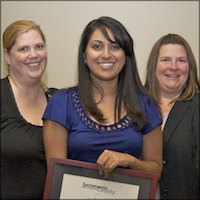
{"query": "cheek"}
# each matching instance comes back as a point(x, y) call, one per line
point(17, 59)
point(159, 70)
point(122, 59)
point(44, 55)
point(185, 69)
point(90, 57)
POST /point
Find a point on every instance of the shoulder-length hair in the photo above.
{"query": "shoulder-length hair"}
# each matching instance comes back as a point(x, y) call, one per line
point(192, 84)
point(129, 82)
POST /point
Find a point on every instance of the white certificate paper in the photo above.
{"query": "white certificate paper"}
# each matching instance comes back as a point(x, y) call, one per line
point(79, 187)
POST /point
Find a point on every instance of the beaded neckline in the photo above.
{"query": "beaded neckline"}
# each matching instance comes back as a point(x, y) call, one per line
point(121, 124)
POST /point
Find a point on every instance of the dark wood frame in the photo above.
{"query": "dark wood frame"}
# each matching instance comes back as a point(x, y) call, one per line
point(58, 167)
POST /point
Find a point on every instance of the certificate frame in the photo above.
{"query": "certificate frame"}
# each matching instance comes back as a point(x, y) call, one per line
point(58, 168)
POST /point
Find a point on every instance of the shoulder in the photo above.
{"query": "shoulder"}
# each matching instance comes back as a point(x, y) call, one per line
point(151, 113)
point(63, 94)
point(64, 91)
point(60, 107)
point(4, 81)
point(5, 90)
point(196, 98)
point(145, 101)
point(149, 107)
point(193, 102)
point(52, 90)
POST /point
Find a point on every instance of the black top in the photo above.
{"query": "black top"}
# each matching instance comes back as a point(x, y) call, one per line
point(180, 176)
point(23, 166)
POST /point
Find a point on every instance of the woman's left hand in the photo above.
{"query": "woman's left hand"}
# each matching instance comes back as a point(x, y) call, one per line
point(109, 160)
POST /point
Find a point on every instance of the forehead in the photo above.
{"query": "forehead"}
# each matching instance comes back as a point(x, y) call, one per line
point(98, 35)
point(172, 49)
point(29, 36)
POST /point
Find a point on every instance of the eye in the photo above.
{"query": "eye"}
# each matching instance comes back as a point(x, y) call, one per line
point(24, 49)
point(115, 46)
point(182, 60)
point(97, 46)
point(39, 46)
point(165, 59)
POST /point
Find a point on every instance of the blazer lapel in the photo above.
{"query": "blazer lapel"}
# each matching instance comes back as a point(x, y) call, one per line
point(173, 120)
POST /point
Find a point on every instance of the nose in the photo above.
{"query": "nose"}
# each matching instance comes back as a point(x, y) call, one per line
point(32, 53)
point(174, 64)
point(106, 53)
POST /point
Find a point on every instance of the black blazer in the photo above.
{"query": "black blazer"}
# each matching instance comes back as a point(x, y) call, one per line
point(180, 176)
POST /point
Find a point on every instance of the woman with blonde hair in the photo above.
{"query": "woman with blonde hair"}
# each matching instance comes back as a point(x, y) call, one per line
point(23, 100)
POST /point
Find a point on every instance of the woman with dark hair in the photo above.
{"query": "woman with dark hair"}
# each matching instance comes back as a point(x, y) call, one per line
point(173, 83)
point(107, 117)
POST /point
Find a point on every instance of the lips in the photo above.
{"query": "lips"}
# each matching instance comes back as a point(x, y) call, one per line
point(173, 75)
point(35, 64)
point(106, 65)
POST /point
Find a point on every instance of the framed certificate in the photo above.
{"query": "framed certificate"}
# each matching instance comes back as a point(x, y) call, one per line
point(72, 179)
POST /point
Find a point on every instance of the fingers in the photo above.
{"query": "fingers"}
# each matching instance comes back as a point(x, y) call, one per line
point(107, 162)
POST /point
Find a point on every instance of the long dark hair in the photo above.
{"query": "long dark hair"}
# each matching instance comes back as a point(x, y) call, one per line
point(129, 82)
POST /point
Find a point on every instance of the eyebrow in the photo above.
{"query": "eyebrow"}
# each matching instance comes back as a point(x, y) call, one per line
point(96, 41)
point(171, 56)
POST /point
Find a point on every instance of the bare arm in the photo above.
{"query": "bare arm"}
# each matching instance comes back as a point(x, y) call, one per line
point(151, 160)
point(152, 152)
point(55, 140)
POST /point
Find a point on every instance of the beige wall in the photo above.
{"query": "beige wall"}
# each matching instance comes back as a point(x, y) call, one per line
point(64, 21)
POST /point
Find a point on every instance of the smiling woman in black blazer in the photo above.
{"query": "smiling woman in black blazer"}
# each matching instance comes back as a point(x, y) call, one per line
point(173, 83)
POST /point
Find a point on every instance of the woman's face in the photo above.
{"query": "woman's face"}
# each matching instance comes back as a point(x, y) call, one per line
point(28, 56)
point(104, 59)
point(172, 68)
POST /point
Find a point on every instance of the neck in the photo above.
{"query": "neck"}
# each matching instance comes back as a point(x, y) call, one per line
point(169, 97)
point(30, 100)
point(108, 87)
point(25, 87)
point(166, 103)
point(29, 91)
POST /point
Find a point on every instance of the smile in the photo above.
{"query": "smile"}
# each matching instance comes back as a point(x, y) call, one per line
point(172, 75)
point(106, 65)
point(33, 64)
